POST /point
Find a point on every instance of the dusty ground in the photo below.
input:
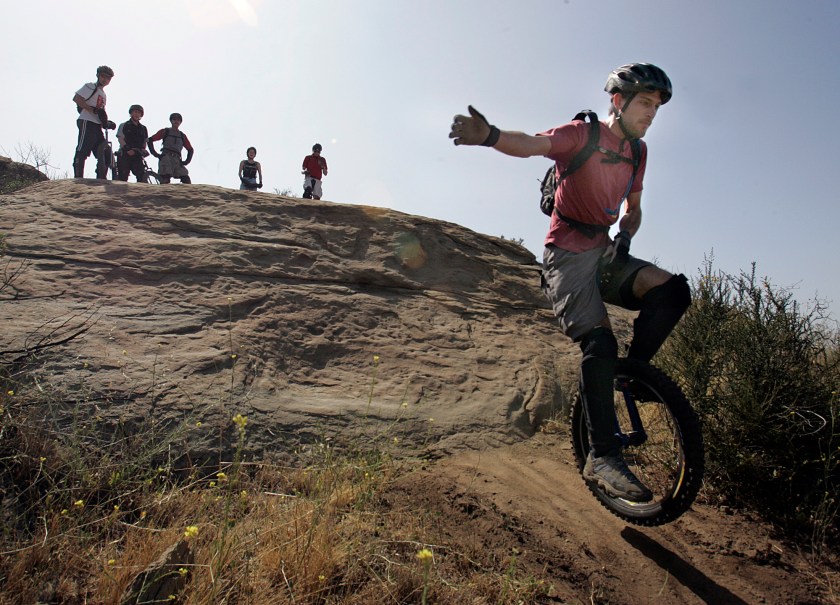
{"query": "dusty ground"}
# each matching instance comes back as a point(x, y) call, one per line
point(528, 500)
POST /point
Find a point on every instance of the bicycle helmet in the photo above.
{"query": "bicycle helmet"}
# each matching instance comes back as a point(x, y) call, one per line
point(317, 147)
point(634, 78)
point(137, 107)
point(104, 69)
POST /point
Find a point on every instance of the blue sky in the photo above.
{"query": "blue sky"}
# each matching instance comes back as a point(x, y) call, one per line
point(741, 161)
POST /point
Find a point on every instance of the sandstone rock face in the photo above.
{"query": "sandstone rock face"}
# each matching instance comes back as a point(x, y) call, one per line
point(314, 320)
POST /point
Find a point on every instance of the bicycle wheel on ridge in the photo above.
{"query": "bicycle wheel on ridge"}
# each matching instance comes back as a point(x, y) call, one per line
point(670, 462)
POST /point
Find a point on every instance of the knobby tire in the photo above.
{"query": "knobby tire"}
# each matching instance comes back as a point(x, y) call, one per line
point(671, 461)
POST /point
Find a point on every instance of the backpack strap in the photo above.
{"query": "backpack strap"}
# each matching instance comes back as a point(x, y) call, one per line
point(636, 150)
point(591, 144)
point(95, 88)
point(552, 179)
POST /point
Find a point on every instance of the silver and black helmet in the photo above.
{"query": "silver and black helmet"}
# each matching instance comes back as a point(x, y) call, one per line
point(634, 78)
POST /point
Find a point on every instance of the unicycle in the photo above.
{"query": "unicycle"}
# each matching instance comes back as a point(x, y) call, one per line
point(663, 443)
point(105, 155)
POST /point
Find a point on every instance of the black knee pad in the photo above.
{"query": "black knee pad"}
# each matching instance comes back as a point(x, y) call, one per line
point(600, 343)
point(674, 293)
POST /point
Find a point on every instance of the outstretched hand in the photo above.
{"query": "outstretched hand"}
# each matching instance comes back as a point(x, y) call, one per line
point(473, 129)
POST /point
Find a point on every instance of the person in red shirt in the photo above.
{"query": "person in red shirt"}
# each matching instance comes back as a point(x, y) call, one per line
point(314, 169)
point(583, 267)
point(170, 163)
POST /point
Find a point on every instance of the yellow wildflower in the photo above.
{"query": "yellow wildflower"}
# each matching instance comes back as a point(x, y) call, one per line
point(191, 532)
point(425, 555)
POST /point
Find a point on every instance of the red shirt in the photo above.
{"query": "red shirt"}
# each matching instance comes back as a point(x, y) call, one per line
point(315, 165)
point(593, 194)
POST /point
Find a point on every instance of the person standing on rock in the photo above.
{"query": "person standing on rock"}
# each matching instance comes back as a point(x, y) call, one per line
point(583, 267)
point(170, 163)
point(133, 138)
point(90, 102)
point(249, 170)
point(314, 169)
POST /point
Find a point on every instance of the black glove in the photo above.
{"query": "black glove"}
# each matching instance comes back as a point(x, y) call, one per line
point(473, 130)
point(619, 250)
point(189, 157)
point(102, 115)
point(259, 185)
point(110, 125)
point(244, 181)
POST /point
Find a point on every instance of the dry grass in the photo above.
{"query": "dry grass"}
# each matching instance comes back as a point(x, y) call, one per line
point(314, 531)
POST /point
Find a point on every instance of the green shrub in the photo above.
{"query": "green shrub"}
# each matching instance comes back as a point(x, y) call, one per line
point(763, 374)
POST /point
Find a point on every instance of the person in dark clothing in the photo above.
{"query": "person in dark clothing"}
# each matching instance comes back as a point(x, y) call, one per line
point(133, 138)
point(249, 170)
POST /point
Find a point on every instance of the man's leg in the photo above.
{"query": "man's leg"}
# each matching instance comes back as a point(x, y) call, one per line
point(597, 371)
point(86, 143)
point(663, 299)
point(123, 167)
point(164, 169)
point(605, 464)
point(138, 169)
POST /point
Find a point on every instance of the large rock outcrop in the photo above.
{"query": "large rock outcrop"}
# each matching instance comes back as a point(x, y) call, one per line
point(312, 319)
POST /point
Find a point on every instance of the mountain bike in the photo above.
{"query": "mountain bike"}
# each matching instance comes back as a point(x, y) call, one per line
point(663, 443)
point(151, 175)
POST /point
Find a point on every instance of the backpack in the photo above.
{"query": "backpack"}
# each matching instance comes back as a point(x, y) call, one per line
point(550, 181)
point(95, 88)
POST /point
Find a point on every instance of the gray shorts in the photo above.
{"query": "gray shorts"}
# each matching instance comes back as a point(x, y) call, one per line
point(170, 165)
point(577, 286)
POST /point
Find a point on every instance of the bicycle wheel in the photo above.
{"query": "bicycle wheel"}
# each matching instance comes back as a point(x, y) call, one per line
point(670, 462)
point(152, 177)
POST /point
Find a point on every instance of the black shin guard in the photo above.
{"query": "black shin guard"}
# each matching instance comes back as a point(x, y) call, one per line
point(661, 309)
point(597, 372)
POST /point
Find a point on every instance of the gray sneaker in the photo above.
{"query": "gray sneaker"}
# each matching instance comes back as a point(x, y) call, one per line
point(613, 475)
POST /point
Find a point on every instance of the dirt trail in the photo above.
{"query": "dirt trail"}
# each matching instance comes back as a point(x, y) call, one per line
point(529, 499)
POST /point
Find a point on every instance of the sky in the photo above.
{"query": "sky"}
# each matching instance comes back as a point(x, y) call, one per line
point(741, 165)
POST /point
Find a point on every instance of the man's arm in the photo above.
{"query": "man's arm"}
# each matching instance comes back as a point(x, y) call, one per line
point(476, 130)
point(629, 224)
point(80, 101)
point(150, 142)
point(632, 219)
